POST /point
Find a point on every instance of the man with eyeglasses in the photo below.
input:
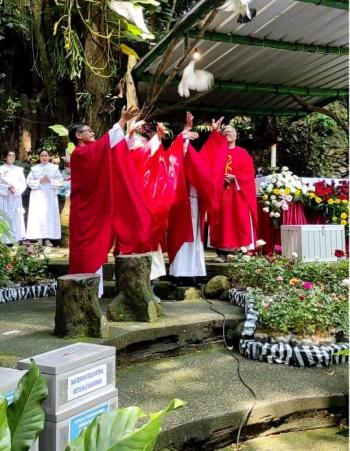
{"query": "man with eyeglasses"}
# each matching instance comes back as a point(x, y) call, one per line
point(233, 220)
point(107, 204)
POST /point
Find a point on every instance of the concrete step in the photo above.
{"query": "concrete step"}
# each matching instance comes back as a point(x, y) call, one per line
point(60, 268)
point(288, 398)
point(26, 329)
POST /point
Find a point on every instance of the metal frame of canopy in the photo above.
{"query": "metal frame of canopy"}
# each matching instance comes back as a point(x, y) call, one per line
point(291, 48)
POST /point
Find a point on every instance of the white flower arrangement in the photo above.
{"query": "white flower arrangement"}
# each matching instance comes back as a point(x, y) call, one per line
point(279, 190)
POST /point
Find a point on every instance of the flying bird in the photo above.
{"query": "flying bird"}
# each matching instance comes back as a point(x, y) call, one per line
point(195, 79)
point(133, 14)
point(246, 14)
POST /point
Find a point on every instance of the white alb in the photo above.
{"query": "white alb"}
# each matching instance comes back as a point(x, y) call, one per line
point(43, 213)
point(11, 203)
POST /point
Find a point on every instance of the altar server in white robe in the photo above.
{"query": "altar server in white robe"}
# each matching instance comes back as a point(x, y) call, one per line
point(44, 181)
point(12, 186)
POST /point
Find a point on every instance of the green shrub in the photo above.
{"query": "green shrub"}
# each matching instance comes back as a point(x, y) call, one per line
point(303, 312)
point(295, 297)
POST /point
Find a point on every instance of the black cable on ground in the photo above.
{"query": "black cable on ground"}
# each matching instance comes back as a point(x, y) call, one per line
point(231, 348)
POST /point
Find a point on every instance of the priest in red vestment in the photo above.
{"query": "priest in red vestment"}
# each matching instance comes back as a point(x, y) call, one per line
point(186, 217)
point(233, 218)
point(107, 203)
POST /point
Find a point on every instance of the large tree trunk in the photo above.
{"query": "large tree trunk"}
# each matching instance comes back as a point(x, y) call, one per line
point(49, 81)
point(134, 301)
point(97, 79)
point(78, 312)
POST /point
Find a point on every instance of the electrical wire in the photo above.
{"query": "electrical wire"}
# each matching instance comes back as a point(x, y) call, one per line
point(230, 348)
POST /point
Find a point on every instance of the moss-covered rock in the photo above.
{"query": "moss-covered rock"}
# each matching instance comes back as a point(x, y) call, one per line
point(216, 286)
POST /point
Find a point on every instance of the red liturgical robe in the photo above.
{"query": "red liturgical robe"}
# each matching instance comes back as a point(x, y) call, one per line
point(234, 214)
point(192, 170)
point(107, 205)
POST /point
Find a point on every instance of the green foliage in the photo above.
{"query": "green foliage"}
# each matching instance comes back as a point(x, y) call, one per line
point(23, 265)
point(5, 436)
point(303, 144)
point(116, 431)
point(303, 312)
point(59, 129)
point(261, 272)
point(292, 296)
point(25, 416)
point(29, 264)
point(13, 18)
point(5, 230)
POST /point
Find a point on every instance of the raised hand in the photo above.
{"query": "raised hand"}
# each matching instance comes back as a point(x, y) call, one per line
point(129, 113)
point(161, 130)
point(187, 134)
point(189, 120)
point(135, 126)
point(215, 125)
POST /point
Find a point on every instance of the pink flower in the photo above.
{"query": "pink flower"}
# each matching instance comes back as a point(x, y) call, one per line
point(308, 285)
point(279, 279)
point(278, 249)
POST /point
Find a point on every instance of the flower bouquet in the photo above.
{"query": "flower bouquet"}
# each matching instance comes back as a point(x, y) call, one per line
point(331, 200)
point(278, 191)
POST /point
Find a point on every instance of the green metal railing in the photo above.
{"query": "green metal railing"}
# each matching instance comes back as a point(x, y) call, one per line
point(284, 90)
point(288, 112)
point(270, 43)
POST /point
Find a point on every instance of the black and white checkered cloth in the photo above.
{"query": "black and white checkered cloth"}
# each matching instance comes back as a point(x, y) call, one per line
point(34, 291)
point(280, 352)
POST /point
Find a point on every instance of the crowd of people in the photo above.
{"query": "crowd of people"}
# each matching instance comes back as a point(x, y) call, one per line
point(134, 196)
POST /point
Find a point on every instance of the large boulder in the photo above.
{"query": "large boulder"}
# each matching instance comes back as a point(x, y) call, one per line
point(216, 286)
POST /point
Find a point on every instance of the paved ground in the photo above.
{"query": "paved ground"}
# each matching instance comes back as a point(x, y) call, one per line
point(330, 439)
point(208, 381)
point(26, 326)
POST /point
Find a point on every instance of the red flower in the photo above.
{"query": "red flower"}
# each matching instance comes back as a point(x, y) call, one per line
point(308, 285)
point(301, 297)
point(278, 249)
point(339, 253)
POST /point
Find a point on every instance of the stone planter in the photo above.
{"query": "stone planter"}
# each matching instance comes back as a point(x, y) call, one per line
point(8, 294)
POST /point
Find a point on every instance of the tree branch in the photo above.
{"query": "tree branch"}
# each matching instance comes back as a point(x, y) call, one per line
point(318, 109)
point(148, 106)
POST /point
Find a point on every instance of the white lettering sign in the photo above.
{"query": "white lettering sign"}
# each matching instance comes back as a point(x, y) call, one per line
point(87, 381)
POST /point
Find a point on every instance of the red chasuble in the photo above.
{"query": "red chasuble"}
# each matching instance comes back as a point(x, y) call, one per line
point(158, 176)
point(234, 211)
point(107, 206)
point(192, 170)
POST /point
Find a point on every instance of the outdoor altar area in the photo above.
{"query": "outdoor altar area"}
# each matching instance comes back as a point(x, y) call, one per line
point(256, 349)
point(286, 199)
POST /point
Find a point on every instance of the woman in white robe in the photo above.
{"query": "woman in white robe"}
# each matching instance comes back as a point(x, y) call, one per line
point(44, 181)
point(12, 186)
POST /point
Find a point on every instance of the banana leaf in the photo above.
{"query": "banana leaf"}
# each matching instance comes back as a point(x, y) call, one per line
point(115, 431)
point(5, 436)
point(25, 415)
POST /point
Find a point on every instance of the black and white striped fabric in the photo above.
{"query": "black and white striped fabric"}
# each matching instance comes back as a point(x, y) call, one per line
point(281, 352)
point(35, 291)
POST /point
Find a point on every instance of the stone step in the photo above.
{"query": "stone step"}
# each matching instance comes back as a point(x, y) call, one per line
point(186, 326)
point(164, 289)
point(60, 268)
